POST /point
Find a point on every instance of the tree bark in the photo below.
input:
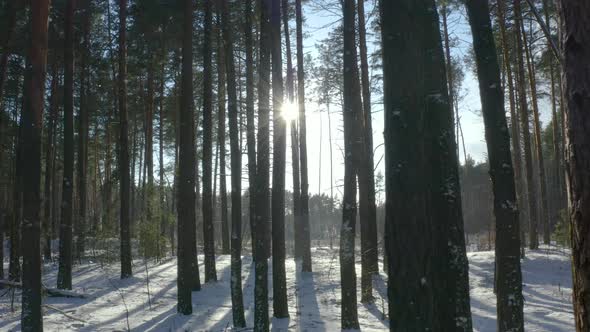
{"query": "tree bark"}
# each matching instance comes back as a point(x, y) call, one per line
point(508, 272)
point(279, 277)
point(49, 152)
point(208, 230)
point(64, 276)
point(352, 114)
point(32, 316)
point(11, 17)
point(576, 47)
point(188, 270)
point(236, 174)
point(262, 217)
point(305, 236)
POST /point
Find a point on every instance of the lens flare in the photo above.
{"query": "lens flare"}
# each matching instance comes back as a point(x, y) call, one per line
point(289, 111)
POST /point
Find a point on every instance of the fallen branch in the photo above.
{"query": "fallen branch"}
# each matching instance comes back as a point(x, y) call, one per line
point(64, 313)
point(51, 292)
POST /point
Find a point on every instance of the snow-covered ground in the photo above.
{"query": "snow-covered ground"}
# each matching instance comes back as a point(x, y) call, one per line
point(314, 299)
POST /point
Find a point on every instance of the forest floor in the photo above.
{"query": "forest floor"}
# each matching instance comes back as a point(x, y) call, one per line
point(314, 299)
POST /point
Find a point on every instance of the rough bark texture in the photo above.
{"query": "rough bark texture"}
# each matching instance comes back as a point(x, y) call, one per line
point(64, 275)
point(124, 182)
point(508, 272)
point(208, 230)
point(524, 122)
point(236, 174)
point(576, 47)
point(422, 186)
point(352, 114)
point(305, 229)
point(262, 216)
point(31, 314)
point(279, 277)
point(188, 270)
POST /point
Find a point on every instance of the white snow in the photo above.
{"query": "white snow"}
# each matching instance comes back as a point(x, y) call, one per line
point(314, 299)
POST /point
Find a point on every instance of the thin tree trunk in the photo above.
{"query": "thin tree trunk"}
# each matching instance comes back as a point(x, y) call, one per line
point(188, 270)
point(538, 140)
point(11, 16)
point(306, 265)
point(236, 174)
point(81, 226)
point(508, 272)
point(250, 125)
point(369, 242)
point(352, 114)
point(279, 278)
point(125, 193)
point(32, 316)
point(576, 47)
point(524, 122)
point(208, 230)
point(64, 276)
point(262, 211)
point(221, 128)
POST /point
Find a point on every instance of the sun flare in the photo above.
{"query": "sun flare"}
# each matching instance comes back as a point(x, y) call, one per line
point(289, 111)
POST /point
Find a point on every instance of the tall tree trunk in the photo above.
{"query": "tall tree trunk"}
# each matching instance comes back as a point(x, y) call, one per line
point(306, 236)
point(352, 114)
point(162, 187)
point(279, 278)
point(208, 230)
point(576, 47)
point(49, 170)
point(236, 173)
point(538, 139)
point(368, 209)
point(508, 273)
point(148, 192)
point(514, 126)
point(64, 276)
point(188, 270)
point(420, 112)
point(221, 128)
point(262, 211)
point(297, 231)
point(524, 122)
point(81, 225)
point(250, 124)
point(32, 316)
point(14, 268)
point(125, 192)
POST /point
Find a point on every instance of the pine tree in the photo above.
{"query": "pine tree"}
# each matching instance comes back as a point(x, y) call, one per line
point(64, 276)
point(508, 273)
point(31, 314)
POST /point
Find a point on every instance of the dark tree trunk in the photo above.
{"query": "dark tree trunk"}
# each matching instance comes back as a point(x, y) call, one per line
point(49, 170)
point(11, 17)
point(221, 128)
point(236, 174)
point(188, 270)
point(508, 272)
point(524, 122)
point(262, 211)
point(250, 125)
point(208, 230)
point(279, 278)
point(14, 268)
point(32, 316)
point(125, 192)
point(352, 114)
point(64, 276)
point(81, 226)
point(162, 187)
point(305, 236)
point(370, 253)
point(576, 47)
point(422, 184)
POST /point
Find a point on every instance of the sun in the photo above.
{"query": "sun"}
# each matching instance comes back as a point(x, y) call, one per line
point(289, 111)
